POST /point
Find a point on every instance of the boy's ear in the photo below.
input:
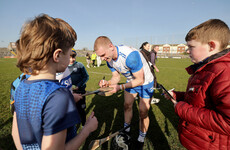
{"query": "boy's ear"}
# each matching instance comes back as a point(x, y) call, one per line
point(212, 45)
point(56, 55)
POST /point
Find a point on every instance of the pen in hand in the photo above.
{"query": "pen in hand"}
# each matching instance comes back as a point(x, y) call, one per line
point(103, 81)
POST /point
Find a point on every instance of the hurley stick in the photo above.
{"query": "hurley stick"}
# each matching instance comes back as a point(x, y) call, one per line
point(96, 143)
point(100, 90)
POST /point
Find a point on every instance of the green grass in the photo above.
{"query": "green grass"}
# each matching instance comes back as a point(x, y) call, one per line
point(162, 133)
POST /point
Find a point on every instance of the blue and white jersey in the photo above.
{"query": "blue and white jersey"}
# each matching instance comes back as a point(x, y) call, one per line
point(65, 79)
point(129, 61)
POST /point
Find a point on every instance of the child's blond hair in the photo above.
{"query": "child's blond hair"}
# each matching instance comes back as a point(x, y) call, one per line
point(213, 29)
point(39, 39)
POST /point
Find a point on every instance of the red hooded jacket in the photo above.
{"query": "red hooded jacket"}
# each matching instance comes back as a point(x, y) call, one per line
point(204, 109)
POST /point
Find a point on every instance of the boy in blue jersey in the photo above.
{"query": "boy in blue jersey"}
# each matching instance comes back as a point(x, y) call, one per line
point(45, 113)
point(79, 77)
point(131, 63)
point(65, 77)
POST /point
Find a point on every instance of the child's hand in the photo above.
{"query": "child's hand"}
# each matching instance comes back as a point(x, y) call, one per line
point(77, 97)
point(91, 123)
point(169, 98)
point(75, 88)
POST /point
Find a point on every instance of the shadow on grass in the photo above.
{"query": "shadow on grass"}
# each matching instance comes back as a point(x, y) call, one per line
point(7, 143)
point(105, 109)
point(6, 140)
point(6, 122)
point(167, 109)
point(155, 134)
point(110, 114)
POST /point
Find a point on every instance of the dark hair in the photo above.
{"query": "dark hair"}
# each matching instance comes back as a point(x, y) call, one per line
point(143, 44)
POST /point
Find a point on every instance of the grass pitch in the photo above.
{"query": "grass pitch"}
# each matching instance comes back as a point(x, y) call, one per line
point(162, 133)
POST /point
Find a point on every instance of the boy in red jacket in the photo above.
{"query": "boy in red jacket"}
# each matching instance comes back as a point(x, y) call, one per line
point(204, 109)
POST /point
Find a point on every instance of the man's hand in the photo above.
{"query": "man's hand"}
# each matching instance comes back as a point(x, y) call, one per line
point(157, 70)
point(115, 87)
point(103, 83)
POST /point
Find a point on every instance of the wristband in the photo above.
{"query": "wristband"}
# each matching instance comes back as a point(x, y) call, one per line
point(122, 86)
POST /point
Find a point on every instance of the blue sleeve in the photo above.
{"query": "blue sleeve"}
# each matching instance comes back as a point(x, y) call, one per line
point(15, 84)
point(134, 62)
point(111, 68)
point(59, 112)
point(85, 75)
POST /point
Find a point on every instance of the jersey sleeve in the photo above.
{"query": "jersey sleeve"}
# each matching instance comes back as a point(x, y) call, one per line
point(134, 62)
point(59, 112)
point(111, 68)
point(85, 75)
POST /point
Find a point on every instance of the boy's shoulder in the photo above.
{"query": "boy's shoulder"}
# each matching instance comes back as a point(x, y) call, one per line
point(42, 84)
point(79, 64)
point(14, 86)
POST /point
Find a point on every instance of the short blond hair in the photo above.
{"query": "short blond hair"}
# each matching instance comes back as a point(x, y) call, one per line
point(38, 41)
point(213, 29)
point(101, 41)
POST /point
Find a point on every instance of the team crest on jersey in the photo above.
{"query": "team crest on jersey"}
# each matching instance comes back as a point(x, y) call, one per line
point(66, 82)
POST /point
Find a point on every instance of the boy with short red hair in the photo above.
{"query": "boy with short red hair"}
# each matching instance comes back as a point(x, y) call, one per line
point(204, 109)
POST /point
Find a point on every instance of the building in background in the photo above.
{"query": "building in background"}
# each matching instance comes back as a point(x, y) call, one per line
point(172, 49)
point(165, 50)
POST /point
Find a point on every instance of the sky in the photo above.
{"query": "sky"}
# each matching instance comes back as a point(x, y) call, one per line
point(128, 22)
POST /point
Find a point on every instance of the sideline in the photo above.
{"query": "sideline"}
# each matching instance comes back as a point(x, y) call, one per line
point(99, 73)
point(172, 68)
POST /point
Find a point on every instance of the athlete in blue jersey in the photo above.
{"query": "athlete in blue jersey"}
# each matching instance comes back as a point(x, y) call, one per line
point(45, 113)
point(130, 63)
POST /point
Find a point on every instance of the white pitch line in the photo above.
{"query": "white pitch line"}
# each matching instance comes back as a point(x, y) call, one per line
point(172, 68)
point(99, 73)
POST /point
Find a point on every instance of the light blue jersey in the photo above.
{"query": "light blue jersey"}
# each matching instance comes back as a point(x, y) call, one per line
point(65, 79)
point(129, 61)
